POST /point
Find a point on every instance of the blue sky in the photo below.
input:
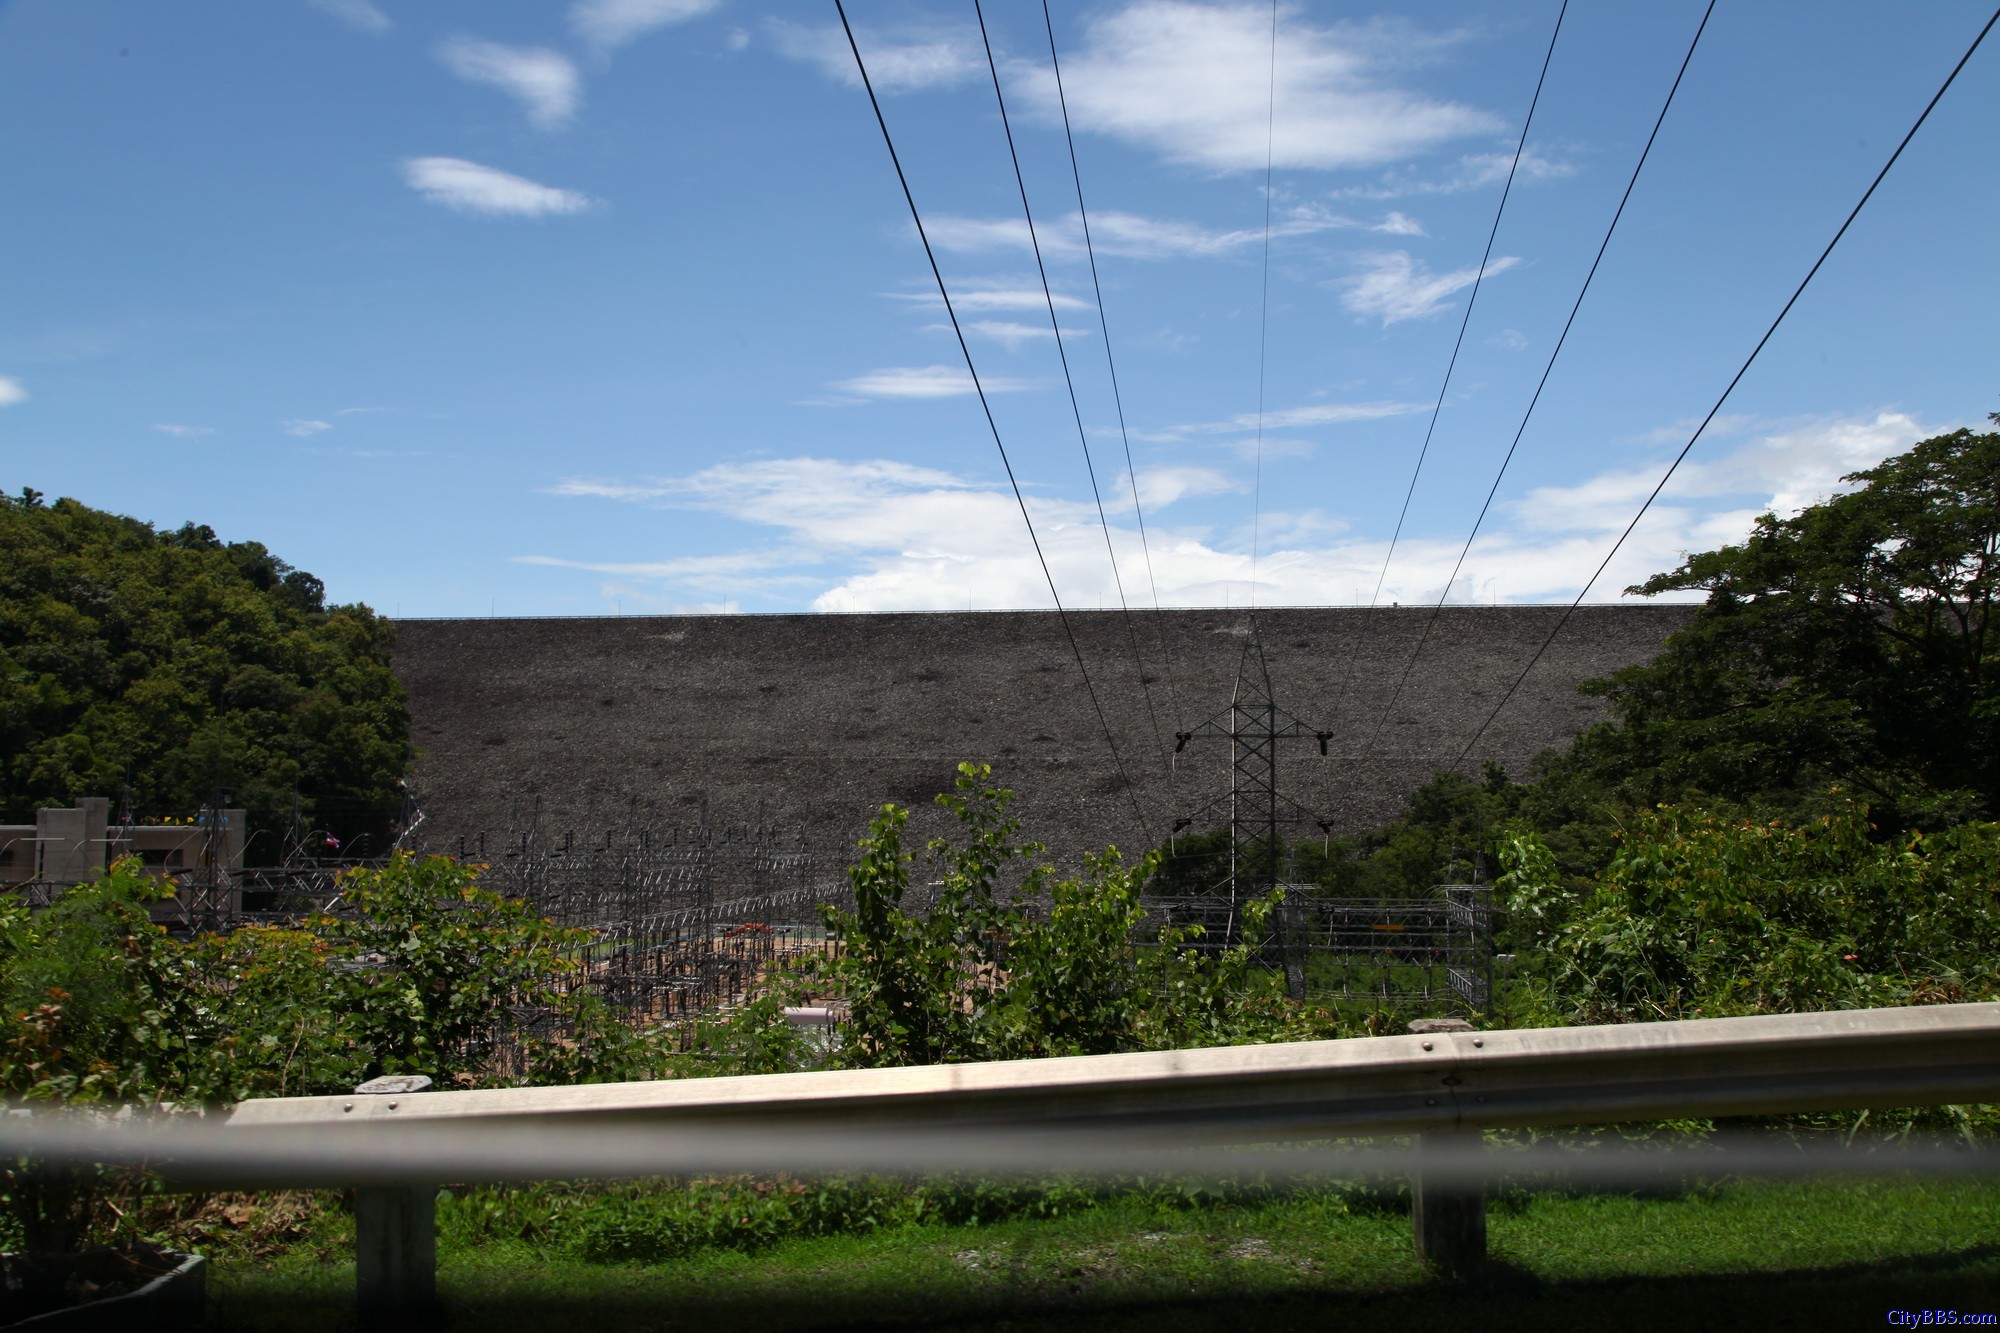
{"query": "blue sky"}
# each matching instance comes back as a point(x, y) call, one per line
point(614, 306)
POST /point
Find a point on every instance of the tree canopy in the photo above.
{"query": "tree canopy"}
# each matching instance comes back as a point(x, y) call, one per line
point(156, 667)
point(1848, 645)
point(1842, 654)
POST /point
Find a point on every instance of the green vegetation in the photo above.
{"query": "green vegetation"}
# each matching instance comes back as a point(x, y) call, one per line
point(158, 667)
point(978, 979)
point(1703, 915)
point(1794, 1255)
point(1789, 808)
point(1848, 646)
point(1011, 960)
point(100, 1008)
point(421, 970)
point(1450, 830)
point(1843, 655)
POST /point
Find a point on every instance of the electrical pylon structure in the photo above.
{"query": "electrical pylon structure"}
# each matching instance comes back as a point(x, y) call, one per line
point(1254, 725)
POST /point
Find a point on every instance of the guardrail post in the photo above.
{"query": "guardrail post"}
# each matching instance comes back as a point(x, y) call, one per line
point(395, 1251)
point(1448, 1201)
point(1447, 1212)
point(395, 1236)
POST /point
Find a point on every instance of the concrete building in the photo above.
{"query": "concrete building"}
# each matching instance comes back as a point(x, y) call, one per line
point(65, 847)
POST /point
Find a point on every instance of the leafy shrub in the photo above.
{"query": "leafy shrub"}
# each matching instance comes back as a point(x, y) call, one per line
point(976, 978)
point(1702, 914)
point(424, 964)
point(754, 1038)
point(83, 985)
point(257, 1012)
point(422, 970)
point(83, 1025)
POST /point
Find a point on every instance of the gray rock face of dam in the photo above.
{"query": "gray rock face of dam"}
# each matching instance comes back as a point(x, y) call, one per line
point(604, 726)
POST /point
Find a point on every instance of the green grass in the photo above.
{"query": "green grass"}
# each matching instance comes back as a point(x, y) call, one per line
point(1815, 1255)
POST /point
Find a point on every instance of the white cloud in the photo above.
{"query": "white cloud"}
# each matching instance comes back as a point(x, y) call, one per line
point(543, 81)
point(1473, 171)
point(664, 569)
point(472, 188)
point(943, 525)
point(1327, 414)
point(768, 570)
point(1161, 486)
point(911, 61)
point(972, 235)
point(359, 15)
point(920, 538)
point(913, 538)
point(1011, 334)
point(304, 426)
point(1193, 83)
point(925, 382)
point(1161, 238)
point(1250, 448)
point(1781, 471)
point(1133, 236)
point(1803, 465)
point(980, 297)
point(181, 432)
point(610, 23)
point(1512, 339)
point(11, 391)
point(1395, 286)
point(1289, 418)
point(724, 488)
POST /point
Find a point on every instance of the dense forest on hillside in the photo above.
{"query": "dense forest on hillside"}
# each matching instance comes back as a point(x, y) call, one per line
point(157, 668)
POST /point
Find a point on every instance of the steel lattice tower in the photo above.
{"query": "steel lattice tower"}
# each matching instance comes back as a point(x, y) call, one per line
point(1254, 725)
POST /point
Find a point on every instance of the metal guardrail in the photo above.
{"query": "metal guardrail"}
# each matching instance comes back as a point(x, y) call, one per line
point(1413, 1084)
point(1105, 1112)
point(1441, 1086)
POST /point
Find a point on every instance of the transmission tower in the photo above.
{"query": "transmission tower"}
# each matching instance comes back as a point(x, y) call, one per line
point(1254, 725)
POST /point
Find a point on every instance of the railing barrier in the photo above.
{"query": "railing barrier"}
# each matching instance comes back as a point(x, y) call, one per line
point(1145, 1111)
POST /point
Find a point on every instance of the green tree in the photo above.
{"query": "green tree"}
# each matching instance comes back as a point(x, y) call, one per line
point(165, 665)
point(1849, 644)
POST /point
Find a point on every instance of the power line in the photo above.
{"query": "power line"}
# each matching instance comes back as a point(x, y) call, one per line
point(1264, 316)
point(1478, 280)
point(985, 406)
point(1577, 305)
point(1735, 379)
point(1082, 438)
point(1111, 365)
